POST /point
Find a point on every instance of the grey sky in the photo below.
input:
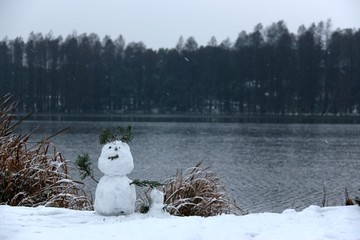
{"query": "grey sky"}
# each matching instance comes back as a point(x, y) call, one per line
point(160, 23)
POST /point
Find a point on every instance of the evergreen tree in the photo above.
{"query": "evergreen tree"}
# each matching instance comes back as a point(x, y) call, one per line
point(191, 45)
point(266, 71)
point(5, 58)
point(16, 85)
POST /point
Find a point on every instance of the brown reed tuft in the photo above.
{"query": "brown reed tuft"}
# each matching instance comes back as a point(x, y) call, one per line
point(37, 175)
point(198, 192)
point(348, 200)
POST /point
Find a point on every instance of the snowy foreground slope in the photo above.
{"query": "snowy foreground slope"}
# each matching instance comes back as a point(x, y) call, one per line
point(53, 223)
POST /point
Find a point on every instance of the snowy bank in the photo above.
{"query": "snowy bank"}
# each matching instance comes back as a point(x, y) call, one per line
point(43, 223)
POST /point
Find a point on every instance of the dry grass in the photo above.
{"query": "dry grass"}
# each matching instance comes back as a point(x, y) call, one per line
point(348, 200)
point(37, 175)
point(198, 192)
point(143, 201)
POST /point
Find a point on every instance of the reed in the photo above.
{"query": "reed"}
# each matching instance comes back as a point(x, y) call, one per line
point(36, 175)
point(198, 192)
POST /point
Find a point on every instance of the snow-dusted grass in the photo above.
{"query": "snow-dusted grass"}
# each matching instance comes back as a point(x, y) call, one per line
point(42, 223)
point(198, 192)
point(34, 175)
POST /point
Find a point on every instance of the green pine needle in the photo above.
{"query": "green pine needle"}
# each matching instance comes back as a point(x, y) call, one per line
point(84, 165)
point(106, 136)
point(111, 135)
point(146, 183)
point(126, 134)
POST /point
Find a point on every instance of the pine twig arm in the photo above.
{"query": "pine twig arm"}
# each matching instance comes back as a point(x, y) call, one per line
point(145, 183)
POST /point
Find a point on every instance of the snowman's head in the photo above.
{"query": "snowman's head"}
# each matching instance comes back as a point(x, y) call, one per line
point(157, 197)
point(116, 159)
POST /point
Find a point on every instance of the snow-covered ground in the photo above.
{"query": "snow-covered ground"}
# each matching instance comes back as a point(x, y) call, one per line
point(43, 223)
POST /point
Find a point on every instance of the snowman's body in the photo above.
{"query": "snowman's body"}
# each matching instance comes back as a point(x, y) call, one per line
point(114, 195)
point(157, 204)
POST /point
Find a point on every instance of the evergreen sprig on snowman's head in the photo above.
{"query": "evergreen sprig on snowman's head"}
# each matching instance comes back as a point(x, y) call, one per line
point(111, 135)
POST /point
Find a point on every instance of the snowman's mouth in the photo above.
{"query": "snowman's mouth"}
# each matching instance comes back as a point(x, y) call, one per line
point(113, 157)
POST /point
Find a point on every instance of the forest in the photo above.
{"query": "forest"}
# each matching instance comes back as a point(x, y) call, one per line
point(267, 71)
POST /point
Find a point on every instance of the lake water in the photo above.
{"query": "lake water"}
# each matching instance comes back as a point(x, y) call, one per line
point(265, 167)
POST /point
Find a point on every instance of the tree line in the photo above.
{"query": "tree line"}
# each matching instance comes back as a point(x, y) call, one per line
point(267, 71)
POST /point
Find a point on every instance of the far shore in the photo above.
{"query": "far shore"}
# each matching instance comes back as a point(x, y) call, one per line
point(196, 117)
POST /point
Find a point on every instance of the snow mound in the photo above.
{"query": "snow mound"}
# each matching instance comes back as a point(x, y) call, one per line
point(21, 223)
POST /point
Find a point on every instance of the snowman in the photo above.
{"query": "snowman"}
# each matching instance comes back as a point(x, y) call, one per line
point(157, 204)
point(114, 195)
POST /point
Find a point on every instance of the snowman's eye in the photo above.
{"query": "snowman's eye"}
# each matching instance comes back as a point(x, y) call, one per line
point(109, 147)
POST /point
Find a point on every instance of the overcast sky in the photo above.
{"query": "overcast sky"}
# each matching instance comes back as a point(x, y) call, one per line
point(160, 23)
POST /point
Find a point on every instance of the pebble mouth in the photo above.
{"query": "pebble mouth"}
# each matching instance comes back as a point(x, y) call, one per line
point(113, 157)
